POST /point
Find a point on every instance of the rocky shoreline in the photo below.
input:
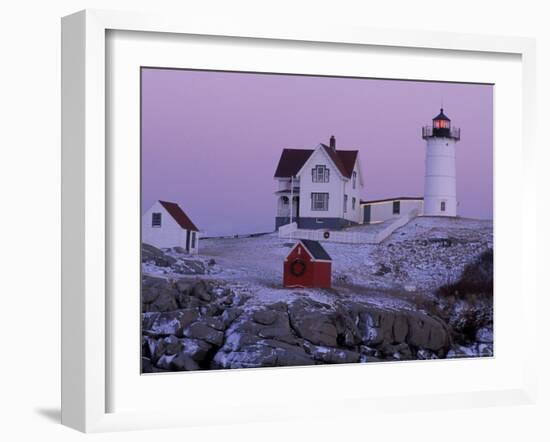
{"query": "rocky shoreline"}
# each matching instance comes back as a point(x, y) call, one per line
point(195, 323)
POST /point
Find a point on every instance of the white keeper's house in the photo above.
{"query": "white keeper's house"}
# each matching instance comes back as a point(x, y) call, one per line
point(166, 225)
point(319, 188)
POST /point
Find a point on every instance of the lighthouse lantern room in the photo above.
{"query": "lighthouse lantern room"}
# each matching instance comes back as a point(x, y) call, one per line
point(440, 172)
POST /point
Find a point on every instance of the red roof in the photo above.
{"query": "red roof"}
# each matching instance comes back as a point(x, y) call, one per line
point(179, 215)
point(345, 160)
point(314, 248)
point(292, 160)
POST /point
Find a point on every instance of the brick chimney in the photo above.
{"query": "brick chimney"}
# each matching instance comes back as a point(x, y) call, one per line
point(332, 142)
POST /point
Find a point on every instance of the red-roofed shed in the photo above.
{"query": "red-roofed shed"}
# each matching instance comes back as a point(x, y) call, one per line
point(308, 265)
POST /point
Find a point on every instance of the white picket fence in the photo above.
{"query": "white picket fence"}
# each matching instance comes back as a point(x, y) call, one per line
point(291, 231)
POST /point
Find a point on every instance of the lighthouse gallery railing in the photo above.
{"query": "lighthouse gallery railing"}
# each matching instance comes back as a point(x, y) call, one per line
point(453, 132)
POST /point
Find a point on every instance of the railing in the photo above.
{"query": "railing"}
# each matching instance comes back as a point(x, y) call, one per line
point(429, 132)
point(319, 235)
point(288, 191)
point(285, 185)
point(291, 231)
point(399, 222)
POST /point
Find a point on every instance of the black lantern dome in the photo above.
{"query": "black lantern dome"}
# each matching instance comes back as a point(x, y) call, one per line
point(441, 121)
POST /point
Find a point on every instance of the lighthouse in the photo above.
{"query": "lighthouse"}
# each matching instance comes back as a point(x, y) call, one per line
point(440, 172)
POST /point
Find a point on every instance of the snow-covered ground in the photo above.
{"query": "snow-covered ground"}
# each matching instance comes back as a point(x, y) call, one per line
point(415, 259)
point(227, 308)
point(422, 255)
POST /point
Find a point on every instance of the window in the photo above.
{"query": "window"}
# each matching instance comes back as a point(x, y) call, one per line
point(396, 207)
point(193, 239)
point(353, 203)
point(443, 206)
point(442, 124)
point(354, 179)
point(319, 201)
point(320, 174)
point(345, 203)
point(156, 219)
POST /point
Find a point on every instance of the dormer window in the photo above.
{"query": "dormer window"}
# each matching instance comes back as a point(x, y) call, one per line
point(320, 174)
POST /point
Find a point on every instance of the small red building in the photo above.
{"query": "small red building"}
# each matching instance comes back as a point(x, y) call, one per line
point(308, 265)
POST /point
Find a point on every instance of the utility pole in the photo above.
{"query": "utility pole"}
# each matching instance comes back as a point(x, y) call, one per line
point(291, 197)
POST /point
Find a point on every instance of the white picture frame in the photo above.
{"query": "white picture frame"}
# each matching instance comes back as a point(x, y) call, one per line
point(86, 214)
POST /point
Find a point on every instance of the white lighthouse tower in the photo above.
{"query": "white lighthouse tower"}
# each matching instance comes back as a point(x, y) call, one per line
point(440, 176)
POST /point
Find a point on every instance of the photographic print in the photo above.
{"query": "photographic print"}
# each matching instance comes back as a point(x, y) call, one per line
point(296, 220)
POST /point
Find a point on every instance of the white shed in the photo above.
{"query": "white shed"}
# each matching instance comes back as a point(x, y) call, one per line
point(166, 225)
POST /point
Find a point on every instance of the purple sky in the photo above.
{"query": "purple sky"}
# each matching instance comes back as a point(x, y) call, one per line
point(211, 140)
